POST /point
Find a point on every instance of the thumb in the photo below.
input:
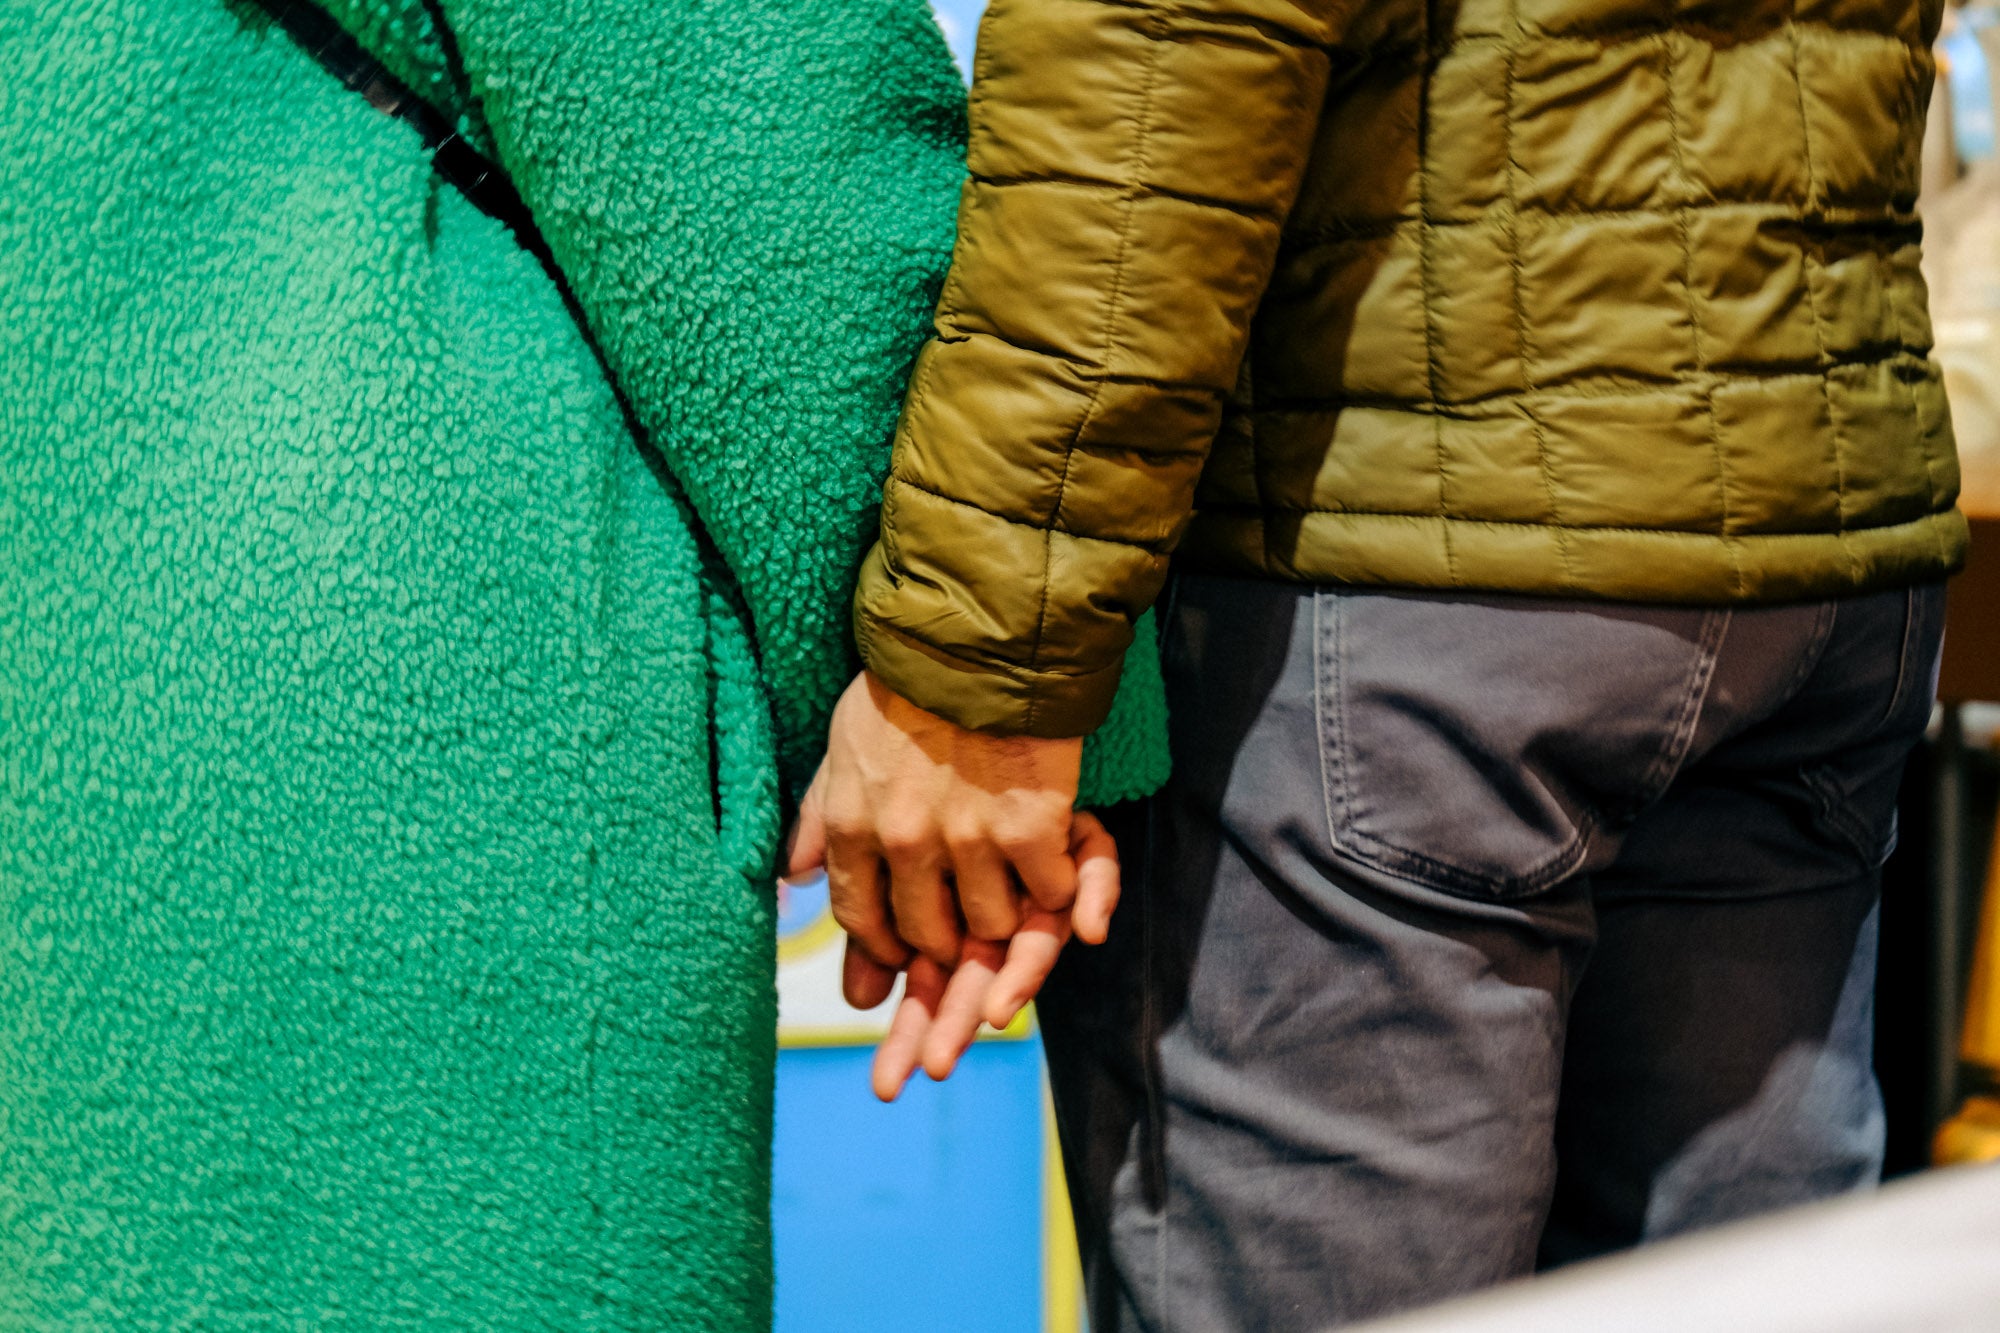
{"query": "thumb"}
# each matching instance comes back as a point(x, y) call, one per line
point(805, 845)
point(1097, 878)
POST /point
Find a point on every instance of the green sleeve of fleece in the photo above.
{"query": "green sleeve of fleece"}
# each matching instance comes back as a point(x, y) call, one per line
point(758, 283)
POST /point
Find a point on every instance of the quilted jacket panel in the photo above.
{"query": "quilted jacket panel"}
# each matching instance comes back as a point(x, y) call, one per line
point(1604, 298)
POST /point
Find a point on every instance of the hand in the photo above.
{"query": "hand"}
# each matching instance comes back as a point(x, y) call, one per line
point(925, 827)
point(940, 1011)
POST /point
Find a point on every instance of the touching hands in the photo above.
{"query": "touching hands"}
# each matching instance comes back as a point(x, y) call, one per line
point(957, 855)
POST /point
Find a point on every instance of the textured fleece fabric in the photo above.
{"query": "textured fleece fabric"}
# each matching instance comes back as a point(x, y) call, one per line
point(388, 782)
point(1606, 299)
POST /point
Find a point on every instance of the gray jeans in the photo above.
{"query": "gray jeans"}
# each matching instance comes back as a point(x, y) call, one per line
point(1476, 934)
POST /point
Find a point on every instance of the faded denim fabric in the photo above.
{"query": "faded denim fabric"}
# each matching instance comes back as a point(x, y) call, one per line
point(1476, 934)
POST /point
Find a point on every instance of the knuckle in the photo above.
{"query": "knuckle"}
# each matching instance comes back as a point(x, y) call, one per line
point(1022, 839)
point(904, 837)
point(844, 827)
point(962, 835)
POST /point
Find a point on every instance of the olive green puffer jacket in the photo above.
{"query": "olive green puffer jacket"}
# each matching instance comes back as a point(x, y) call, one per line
point(1603, 298)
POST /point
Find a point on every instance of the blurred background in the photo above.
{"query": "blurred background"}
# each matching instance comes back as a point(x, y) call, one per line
point(953, 1199)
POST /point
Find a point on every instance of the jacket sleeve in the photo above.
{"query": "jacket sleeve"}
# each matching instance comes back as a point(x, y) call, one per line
point(1131, 164)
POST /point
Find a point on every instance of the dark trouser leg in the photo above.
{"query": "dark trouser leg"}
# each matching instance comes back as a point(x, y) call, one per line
point(1718, 1065)
point(1293, 1091)
point(1345, 1106)
point(1314, 1076)
point(1720, 1049)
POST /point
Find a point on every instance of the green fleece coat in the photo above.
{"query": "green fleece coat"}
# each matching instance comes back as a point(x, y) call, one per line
point(388, 780)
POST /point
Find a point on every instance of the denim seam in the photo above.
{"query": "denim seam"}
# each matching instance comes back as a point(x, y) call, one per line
point(1809, 660)
point(1832, 796)
point(1902, 658)
point(1169, 606)
point(1455, 880)
point(1672, 758)
point(1835, 813)
point(1325, 659)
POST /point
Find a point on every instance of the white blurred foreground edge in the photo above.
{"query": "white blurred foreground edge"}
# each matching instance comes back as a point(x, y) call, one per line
point(1921, 1254)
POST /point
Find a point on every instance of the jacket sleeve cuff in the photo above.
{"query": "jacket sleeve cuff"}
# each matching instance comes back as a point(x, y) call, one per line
point(984, 696)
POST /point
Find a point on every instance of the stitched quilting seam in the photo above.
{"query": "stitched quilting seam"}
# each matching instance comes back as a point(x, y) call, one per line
point(1683, 228)
point(1514, 267)
point(1715, 36)
point(1815, 195)
point(1583, 388)
point(1334, 231)
point(1264, 27)
point(1148, 547)
point(1913, 413)
point(1706, 534)
point(877, 625)
point(1425, 276)
point(1083, 368)
point(1141, 189)
point(1913, 124)
point(1605, 38)
point(1140, 162)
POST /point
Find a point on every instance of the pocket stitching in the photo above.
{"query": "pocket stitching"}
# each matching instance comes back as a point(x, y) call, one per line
point(1369, 850)
point(1325, 660)
point(1667, 764)
point(1330, 718)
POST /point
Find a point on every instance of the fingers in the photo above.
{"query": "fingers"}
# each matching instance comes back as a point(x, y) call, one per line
point(943, 1007)
point(986, 896)
point(926, 915)
point(1097, 876)
point(1031, 956)
point(897, 1057)
point(854, 887)
point(1033, 952)
point(865, 982)
point(939, 1016)
point(805, 846)
point(945, 1003)
point(957, 1019)
point(1047, 873)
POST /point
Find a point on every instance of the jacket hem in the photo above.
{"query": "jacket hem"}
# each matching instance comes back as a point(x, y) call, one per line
point(1609, 564)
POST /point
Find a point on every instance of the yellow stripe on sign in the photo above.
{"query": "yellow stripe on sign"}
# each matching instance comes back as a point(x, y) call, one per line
point(1062, 1270)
